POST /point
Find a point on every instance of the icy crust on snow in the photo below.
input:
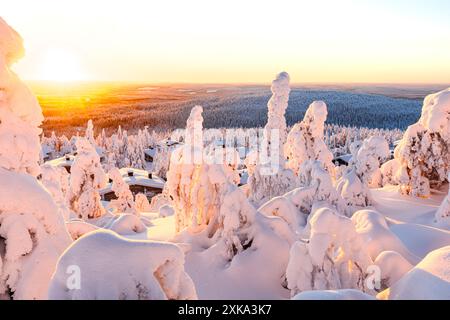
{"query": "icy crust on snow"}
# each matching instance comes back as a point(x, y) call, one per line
point(112, 267)
point(430, 279)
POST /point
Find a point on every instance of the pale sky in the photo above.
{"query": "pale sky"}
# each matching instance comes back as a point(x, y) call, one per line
point(220, 41)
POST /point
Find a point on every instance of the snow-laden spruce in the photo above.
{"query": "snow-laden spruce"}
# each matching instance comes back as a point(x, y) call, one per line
point(32, 229)
point(86, 178)
point(103, 265)
point(56, 180)
point(354, 184)
point(268, 176)
point(424, 150)
point(305, 141)
point(333, 257)
point(125, 201)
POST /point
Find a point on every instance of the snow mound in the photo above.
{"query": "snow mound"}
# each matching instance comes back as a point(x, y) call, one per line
point(377, 236)
point(111, 267)
point(33, 236)
point(393, 266)
point(430, 279)
point(78, 229)
point(127, 224)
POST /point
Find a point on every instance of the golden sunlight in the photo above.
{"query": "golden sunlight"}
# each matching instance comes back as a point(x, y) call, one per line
point(61, 66)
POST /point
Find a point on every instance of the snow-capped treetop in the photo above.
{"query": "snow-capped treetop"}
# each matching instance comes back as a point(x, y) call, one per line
point(11, 46)
point(277, 107)
point(306, 142)
point(194, 124)
point(316, 115)
point(370, 156)
point(436, 113)
point(89, 135)
point(124, 202)
point(20, 113)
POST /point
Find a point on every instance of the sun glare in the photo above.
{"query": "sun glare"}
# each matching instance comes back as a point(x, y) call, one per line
point(61, 66)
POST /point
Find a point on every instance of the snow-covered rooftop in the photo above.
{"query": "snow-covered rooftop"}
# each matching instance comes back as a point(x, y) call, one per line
point(138, 178)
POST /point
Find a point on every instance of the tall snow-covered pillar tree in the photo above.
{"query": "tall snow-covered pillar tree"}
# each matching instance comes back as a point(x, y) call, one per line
point(424, 150)
point(32, 231)
point(187, 178)
point(270, 178)
point(86, 178)
point(305, 141)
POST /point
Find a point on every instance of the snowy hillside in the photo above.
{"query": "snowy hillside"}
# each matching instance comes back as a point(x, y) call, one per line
point(290, 208)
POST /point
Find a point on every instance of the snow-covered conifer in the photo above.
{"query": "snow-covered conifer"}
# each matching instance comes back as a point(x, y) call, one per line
point(124, 202)
point(424, 150)
point(269, 177)
point(306, 142)
point(87, 177)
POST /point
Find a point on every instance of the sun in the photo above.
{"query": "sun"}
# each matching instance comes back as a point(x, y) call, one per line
point(60, 65)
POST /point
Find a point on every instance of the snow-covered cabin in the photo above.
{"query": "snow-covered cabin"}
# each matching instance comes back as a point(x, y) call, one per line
point(343, 160)
point(140, 181)
point(150, 154)
point(65, 162)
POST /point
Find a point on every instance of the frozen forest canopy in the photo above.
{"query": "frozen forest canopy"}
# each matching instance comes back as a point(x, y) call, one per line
point(290, 207)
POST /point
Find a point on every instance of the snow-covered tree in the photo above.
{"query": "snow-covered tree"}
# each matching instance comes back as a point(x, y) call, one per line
point(89, 135)
point(188, 182)
point(305, 141)
point(161, 160)
point(269, 177)
point(443, 213)
point(296, 206)
point(354, 185)
point(424, 150)
point(130, 270)
point(56, 180)
point(32, 232)
point(332, 258)
point(87, 177)
point(141, 202)
point(124, 202)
